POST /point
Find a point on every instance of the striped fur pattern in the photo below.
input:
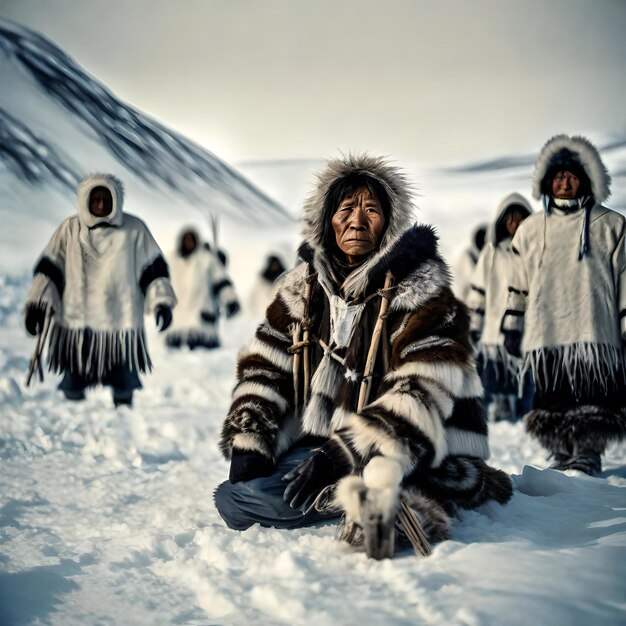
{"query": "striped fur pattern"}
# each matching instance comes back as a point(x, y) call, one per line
point(425, 408)
point(429, 405)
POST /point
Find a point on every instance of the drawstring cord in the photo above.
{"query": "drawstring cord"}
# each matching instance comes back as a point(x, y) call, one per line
point(583, 203)
point(584, 246)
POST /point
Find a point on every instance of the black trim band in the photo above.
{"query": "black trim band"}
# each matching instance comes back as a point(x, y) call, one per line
point(622, 314)
point(210, 318)
point(221, 285)
point(513, 312)
point(518, 291)
point(157, 269)
point(49, 268)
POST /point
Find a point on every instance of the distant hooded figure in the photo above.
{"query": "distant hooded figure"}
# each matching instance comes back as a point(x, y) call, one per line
point(358, 393)
point(203, 289)
point(265, 286)
point(97, 277)
point(466, 263)
point(487, 302)
point(568, 298)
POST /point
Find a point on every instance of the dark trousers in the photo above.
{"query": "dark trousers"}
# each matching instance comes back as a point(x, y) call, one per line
point(260, 501)
point(122, 381)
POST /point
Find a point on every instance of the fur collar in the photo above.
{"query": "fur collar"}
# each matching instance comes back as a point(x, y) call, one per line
point(583, 151)
point(401, 211)
point(414, 262)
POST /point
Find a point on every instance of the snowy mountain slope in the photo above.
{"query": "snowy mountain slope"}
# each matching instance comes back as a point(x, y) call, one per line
point(57, 123)
point(106, 517)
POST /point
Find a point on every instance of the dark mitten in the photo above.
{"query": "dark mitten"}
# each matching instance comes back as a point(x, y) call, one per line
point(247, 464)
point(232, 308)
point(35, 318)
point(163, 317)
point(325, 466)
point(513, 342)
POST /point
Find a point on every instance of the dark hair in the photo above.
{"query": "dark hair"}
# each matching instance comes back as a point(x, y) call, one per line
point(344, 188)
point(566, 160)
point(501, 231)
point(479, 237)
point(181, 246)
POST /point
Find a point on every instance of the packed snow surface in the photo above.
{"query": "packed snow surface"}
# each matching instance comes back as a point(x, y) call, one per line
point(106, 517)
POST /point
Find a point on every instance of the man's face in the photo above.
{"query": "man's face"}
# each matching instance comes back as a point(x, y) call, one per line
point(513, 219)
point(100, 202)
point(189, 242)
point(565, 185)
point(358, 224)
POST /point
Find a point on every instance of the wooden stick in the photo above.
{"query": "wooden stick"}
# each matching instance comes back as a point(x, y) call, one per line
point(371, 355)
point(35, 362)
point(305, 338)
point(296, 370)
point(414, 531)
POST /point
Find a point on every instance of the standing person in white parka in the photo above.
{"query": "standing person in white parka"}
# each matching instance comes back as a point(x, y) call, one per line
point(98, 275)
point(203, 287)
point(568, 297)
point(487, 302)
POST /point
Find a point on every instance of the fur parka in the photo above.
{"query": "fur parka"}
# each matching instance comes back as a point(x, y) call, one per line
point(97, 277)
point(425, 407)
point(567, 293)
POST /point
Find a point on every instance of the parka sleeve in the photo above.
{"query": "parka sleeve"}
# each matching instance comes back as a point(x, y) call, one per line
point(221, 285)
point(49, 274)
point(513, 319)
point(619, 268)
point(154, 275)
point(429, 404)
point(477, 292)
point(261, 416)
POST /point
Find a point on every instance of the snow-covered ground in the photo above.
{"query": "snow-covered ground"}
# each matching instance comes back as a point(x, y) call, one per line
point(106, 517)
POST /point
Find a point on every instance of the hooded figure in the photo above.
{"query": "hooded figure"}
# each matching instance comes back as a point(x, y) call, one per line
point(466, 263)
point(568, 296)
point(202, 288)
point(358, 389)
point(266, 285)
point(98, 276)
point(487, 302)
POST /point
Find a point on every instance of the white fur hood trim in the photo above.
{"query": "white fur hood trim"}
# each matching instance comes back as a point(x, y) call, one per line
point(585, 153)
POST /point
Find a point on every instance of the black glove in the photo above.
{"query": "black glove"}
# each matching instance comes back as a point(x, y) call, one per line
point(513, 342)
point(246, 465)
point(232, 308)
point(325, 466)
point(163, 317)
point(35, 318)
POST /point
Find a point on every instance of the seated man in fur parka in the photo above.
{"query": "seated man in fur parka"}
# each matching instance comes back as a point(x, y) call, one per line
point(358, 392)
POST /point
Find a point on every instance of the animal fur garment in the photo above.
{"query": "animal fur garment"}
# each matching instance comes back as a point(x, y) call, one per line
point(202, 286)
point(425, 402)
point(490, 282)
point(98, 276)
point(571, 305)
point(583, 428)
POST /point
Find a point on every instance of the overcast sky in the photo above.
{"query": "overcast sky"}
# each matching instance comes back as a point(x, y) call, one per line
point(430, 82)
